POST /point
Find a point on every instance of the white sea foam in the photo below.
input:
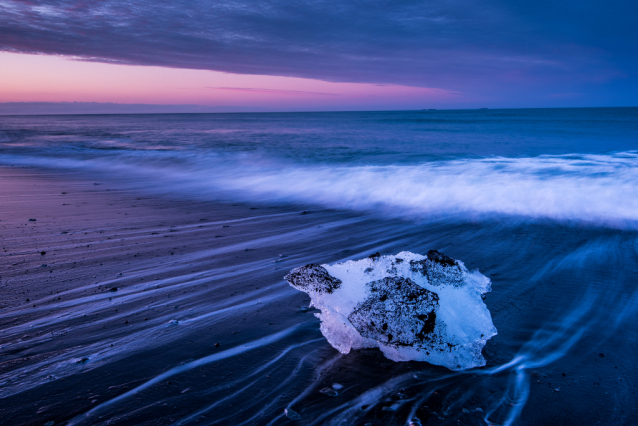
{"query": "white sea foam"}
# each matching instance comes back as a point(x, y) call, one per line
point(598, 189)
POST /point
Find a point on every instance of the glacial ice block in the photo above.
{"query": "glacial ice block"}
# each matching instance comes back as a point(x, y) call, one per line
point(412, 307)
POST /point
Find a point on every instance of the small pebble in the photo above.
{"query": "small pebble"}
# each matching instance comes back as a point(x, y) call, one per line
point(329, 392)
point(291, 414)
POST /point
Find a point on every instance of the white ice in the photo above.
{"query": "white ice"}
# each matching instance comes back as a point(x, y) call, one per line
point(455, 338)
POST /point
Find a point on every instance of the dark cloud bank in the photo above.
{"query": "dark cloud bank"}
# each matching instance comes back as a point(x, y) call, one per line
point(497, 52)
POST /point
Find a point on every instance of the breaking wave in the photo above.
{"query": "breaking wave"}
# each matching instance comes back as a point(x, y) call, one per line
point(584, 188)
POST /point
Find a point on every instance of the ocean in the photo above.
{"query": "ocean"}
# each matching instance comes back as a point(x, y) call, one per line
point(544, 202)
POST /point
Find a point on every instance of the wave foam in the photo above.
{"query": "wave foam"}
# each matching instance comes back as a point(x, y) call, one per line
point(598, 189)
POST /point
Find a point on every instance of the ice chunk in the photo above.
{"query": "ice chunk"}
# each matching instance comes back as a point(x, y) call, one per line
point(412, 307)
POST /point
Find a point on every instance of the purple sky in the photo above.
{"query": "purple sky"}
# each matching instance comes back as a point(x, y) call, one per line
point(295, 55)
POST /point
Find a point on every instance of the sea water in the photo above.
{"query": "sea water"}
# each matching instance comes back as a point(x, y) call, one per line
point(544, 202)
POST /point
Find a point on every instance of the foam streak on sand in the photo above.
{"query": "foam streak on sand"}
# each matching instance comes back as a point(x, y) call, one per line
point(189, 366)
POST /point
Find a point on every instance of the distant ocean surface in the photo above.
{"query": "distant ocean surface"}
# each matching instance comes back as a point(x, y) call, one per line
point(542, 201)
point(563, 164)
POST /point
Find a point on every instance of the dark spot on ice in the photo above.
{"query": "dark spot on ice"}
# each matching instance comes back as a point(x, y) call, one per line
point(374, 318)
point(429, 322)
point(368, 270)
point(398, 260)
point(113, 289)
point(313, 277)
point(439, 269)
point(375, 256)
point(32, 220)
point(440, 258)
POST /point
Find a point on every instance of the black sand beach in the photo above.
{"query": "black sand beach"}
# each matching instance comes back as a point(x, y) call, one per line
point(118, 308)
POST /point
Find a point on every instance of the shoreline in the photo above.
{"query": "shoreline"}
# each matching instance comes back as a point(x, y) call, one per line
point(125, 276)
point(152, 310)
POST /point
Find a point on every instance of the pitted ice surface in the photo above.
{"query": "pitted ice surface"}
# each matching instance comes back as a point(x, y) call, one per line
point(412, 307)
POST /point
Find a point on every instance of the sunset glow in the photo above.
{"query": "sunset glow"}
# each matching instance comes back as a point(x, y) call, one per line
point(45, 78)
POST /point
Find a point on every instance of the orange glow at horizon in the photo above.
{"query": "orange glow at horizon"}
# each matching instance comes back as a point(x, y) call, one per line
point(43, 78)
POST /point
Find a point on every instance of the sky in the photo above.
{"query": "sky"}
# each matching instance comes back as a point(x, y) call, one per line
point(294, 55)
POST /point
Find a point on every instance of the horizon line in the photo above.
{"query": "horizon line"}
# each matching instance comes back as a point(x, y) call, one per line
point(11, 114)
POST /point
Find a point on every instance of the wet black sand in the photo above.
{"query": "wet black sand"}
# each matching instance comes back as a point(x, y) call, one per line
point(109, 290)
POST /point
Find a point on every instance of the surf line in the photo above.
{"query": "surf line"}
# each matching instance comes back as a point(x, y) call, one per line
point(189, 366)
